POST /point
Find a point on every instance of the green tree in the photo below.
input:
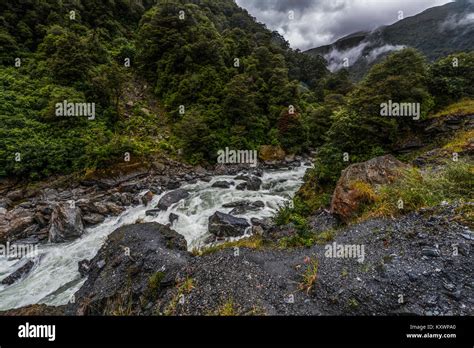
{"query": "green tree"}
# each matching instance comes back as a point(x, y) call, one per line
point(67, 55)
point(452, 78)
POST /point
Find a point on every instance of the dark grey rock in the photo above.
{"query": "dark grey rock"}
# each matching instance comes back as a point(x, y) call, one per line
point(66, 223)
point(172, 218)
point(83, 267)
point(244, 208)
point(431, 252)
point(156, 256)
point(221, 184)
point(153, 212)
point(19, 273)
point(323, 221)
point(254, 183)
point(172, 185)
point(241, 186)
point(171, 198)
point(225, 225)
point(93, 219)
point(131, 187)
point(236, 204)
point(5, 203)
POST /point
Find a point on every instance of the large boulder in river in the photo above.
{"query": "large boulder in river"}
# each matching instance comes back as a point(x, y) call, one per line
point(66, 223)
point(226, 225)
point(19, 273)
point(93, 219)
point(135, 265)
point(242, 207)
point(359, 181)
point(171, 198)
point(252, 183)
point(222, 184)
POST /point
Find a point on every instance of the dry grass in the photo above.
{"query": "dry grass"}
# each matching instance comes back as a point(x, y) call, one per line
point(309, 276)
point(364, 190)
point(119, 305)
point(416, 190)
point(184, 287)
point(253, 242)
point(228, 309)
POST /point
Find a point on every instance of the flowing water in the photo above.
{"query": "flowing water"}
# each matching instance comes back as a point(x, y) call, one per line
point(55, 277)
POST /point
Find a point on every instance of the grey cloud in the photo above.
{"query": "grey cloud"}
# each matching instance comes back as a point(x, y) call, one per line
point(336, 58)
point(321, 22)
point(365, 50)
point(279, 5)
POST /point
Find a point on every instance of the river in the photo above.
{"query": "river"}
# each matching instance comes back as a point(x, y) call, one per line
point(55, 276)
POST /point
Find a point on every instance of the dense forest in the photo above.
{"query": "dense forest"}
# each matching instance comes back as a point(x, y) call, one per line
point(232, 78)
point(219, 79)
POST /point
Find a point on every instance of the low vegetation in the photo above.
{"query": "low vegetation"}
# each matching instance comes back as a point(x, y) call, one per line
point(463, 107)
point(460, 142)
point(154, 283)
point(465, 214)
point(182, 289)
point(254, 242)
point(230, 309)
point(310, 275)
point(227, 309)
point(416, 190)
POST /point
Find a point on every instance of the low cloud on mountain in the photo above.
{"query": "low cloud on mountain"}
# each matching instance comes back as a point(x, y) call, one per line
point(336, 58)
point(321, 22)
point(454, 22)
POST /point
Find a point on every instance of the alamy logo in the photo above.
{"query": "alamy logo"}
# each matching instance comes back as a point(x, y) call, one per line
point(18, 251)
point(76, 109)
point(237, 157)
point(37, 331)
point(392, 109)
point(347, 251)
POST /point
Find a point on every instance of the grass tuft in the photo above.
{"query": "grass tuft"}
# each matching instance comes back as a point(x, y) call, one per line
point(228, 309)
point(309, 276)
point(254, 242)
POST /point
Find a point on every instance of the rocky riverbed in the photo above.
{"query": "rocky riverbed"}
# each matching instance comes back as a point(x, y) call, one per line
point(55, 213)
point(69, 223)
point(420, 264)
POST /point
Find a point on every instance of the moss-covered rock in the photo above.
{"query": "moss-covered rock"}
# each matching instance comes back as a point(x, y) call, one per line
point(357, 184)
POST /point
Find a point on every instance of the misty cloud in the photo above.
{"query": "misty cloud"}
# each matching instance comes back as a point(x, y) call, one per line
point(384, 49)
point(454, 22)
point(336, 58)
point(321, 22)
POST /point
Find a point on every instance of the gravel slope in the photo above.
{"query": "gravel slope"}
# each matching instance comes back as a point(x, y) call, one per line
point(410, 268)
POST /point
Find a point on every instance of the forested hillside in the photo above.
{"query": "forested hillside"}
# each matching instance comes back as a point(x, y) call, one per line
point(187, 78)
point(222, 79)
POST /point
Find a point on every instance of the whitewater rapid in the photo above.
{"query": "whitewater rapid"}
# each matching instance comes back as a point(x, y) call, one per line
point(55, 276)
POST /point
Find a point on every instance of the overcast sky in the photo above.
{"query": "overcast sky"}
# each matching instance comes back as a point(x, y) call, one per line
point(321, 22)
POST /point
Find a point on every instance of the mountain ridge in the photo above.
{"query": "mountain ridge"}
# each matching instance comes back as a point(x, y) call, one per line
point(435, 32)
